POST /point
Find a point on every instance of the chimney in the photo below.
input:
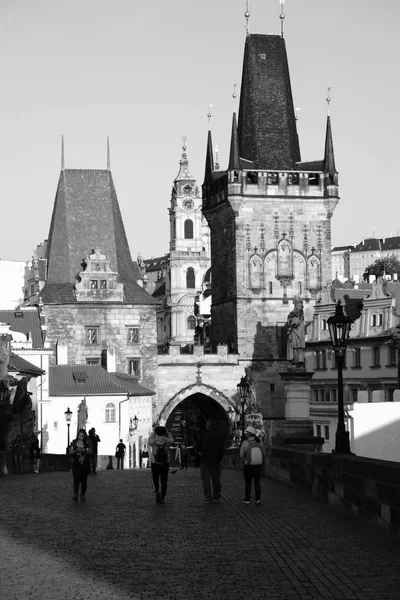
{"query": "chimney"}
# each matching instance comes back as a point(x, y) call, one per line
point(111, 362)
point(62, 352)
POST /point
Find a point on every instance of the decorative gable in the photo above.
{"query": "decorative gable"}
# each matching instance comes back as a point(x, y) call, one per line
point(97, 281)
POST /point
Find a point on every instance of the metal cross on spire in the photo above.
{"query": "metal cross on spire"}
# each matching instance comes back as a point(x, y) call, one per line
point(247, 17)
point(234, 96)
point(209, 115)
point(282, 15)
point(328, 98)
point(184, 138)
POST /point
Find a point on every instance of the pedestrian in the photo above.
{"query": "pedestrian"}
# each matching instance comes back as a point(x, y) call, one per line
point(93, 459)
point(80, 451)
point(120, 453)
point(17, 447)
point(159, 443)
point(34, 451)
point(252, 455)
point(183, 455)
point(145, 458)
point(210, 445)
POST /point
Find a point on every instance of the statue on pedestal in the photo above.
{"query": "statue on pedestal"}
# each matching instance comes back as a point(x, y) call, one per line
point(296, 334)
point(82, 415)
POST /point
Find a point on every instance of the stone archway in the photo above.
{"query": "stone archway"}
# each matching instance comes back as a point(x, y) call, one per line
point(197, 388)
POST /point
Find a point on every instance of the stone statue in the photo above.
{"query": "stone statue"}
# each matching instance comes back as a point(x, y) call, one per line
point(296, 333)
point(82, 415)
point(252, 405)
point(22, 398)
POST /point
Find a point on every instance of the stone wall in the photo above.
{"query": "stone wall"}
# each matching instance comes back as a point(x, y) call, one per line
point(366, 487)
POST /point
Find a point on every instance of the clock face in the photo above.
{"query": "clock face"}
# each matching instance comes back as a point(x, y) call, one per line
point(188, 203)
point(187, 189)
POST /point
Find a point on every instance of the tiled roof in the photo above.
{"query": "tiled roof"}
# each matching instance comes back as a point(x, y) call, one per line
point(86, 215)
point(311, 165)
point(391, 243)
point(92, 380)
point(17, 364)
point(160, 289)
point(267, 125)
point(155, 264)
point(340, 248)
point(24, 321)
point(367, 244)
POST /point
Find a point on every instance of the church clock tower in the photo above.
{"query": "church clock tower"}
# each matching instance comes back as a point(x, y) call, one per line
point(189, 253)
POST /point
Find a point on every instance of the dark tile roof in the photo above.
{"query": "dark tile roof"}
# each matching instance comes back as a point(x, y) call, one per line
point(391, 243)
point(367, 244)
point(155, 264)
point(160, 289)
point(247, 164)
point(339, 248)
point(17, 364)
point(92, 380)
point(311, 165)
point(267, 125)
point(86, 215)
point(24, 321)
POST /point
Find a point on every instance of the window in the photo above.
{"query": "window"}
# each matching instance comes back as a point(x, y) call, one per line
point(320, 356)
point(357, 358)
point(134, 367)
point(92, 361)
point(103, 284)
point(299, 289)
point(133, 335)
point(376, 320)
point(32, 289)
point(188, 229)
point(191, 322)
point(333, 395)
point(376, 356)
point(94, 284)
point(271, 387)
point(392, 355)
point(270, 287)
point(110, 413)
point(190, 278)
point(252, 177)
point(354, 394)
point(390, 393)
point(55, 425)
point(272, 178)
point(326, 428)
point(92, 335)
point(323, 325)
point(318, 430)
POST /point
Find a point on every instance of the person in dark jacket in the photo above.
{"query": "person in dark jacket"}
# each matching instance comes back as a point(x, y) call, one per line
point(159, 442)
point(34, 451)
point(93, 458)
point(80, 451)
point(210, 445)
point(120, 453)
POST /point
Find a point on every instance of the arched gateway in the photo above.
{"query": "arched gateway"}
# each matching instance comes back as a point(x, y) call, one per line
point(192, 406)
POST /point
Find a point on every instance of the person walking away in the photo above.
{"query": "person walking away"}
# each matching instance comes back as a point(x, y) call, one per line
point(120, 453)
point(210, 445)
point(252, 455)
point(159, 443)
point(80, 451)
point(183, 456)
point(93, 459)
point(17, 447)
point(34, 451)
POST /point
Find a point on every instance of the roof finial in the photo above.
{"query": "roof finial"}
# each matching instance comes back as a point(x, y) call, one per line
point(234, 96)
point(62, 154)
point(282, 15)
point(184, 147)
point(296, 113)
point(328, 99)
point(247, 16)
point(209, 116)
point(108, 154)
point(216, 159)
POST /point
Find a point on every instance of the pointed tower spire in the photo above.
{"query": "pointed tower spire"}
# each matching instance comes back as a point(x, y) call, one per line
point(62, 154)
point(329, 157)
point(234, 162)
point(108, 154)
point(209, 152)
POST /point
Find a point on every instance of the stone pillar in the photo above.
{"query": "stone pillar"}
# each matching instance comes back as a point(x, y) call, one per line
point(297, 394)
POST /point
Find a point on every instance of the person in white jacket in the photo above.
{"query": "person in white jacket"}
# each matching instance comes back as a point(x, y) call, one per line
point(159, 444)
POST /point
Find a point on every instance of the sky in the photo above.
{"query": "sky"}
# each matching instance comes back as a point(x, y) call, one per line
point(144, 73)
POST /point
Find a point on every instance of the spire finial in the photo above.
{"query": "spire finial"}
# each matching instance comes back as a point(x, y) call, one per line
point(247, 17)
point(282, 15)
point(234, 96)
point(328, 99)
point(296, 113)
point(184, 147)
point(209, 115)
point(62, 153)
point(108, 154)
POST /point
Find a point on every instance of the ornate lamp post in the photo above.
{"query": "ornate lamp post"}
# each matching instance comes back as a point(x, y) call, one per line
point(243, 391)
point(133, 424)
point(339, 329)
point(68, 417)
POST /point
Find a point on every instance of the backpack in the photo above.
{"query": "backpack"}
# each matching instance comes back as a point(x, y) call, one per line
point(161, 455)
point(254, 455)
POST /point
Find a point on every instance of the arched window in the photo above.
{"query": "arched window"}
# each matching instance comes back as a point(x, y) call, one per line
point(190, 279)
point(188, 229)
point(191, 322)
point(110, 413)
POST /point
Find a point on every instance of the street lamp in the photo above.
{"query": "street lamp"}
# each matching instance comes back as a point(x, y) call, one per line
point(243, 391)
point(133, 424)
point(339, 329)
point(68, 417)
point(231, 415)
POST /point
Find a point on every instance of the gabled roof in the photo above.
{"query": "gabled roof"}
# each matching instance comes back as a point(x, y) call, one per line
point(92, 380)
point(86, 215)
point(17, 364)
point(267, 124)
point(25, 320)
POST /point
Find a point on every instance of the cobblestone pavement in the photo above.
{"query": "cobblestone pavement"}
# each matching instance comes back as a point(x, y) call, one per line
point(121, 545)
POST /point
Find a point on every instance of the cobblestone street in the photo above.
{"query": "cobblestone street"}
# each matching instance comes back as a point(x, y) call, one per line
point(121, 545)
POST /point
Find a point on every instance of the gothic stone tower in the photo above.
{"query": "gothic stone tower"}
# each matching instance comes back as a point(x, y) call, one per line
point(269, 213)
point(189, 254)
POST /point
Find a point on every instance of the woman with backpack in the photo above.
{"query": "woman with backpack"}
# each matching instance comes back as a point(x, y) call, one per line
point(252, 455)
point(80, 451)
point(159, 443)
